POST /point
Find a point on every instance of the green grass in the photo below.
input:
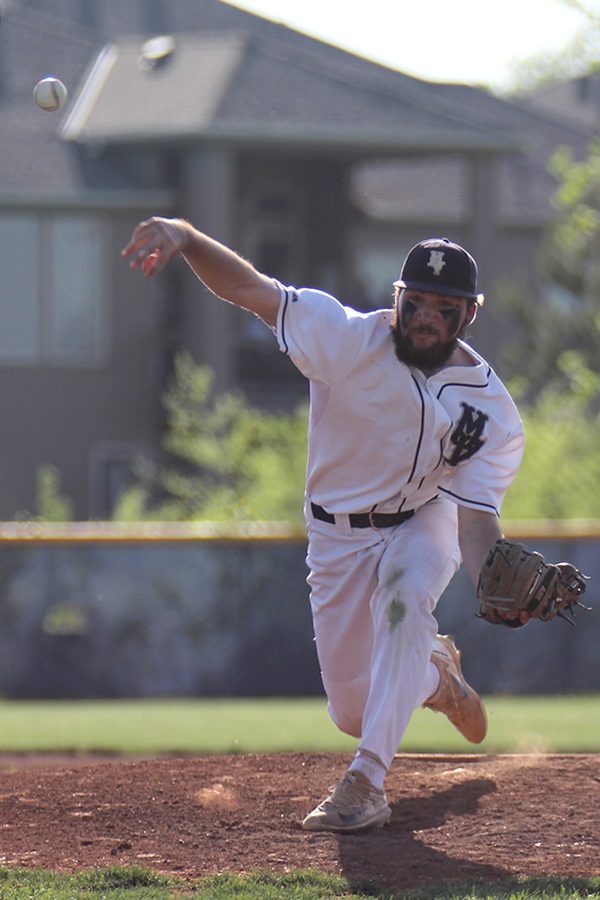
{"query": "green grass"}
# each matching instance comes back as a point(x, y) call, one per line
point(562, 724)
point(140, 884)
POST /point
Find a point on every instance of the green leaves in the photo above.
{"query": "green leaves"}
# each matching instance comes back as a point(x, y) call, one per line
point(233, 461)
point(560, 472)
point(573, 239)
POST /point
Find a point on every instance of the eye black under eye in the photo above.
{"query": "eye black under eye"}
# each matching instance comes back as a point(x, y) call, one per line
point(451, 316)
point(449, 312)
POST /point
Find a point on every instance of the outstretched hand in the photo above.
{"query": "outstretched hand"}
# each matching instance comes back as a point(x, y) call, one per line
point(154, 243)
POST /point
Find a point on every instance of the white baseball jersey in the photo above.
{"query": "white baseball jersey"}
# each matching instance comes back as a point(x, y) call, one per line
point(383, 436)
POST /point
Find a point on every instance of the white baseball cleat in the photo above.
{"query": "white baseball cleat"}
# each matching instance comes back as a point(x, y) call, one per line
point(353, 805)
point(455, 697)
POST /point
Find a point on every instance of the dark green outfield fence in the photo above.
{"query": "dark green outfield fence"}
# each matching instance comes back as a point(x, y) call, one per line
point(105, 610)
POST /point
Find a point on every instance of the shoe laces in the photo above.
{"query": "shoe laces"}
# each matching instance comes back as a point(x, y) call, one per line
point(350, 792)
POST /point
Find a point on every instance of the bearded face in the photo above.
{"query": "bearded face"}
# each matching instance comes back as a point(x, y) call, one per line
point(426, 327)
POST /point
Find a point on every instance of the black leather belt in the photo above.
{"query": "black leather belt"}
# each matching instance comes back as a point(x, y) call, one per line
point(365, 520)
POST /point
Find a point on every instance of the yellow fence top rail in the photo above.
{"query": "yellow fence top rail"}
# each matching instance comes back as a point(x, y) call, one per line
point(137, 532)
point(178, 532)
point(552, 529)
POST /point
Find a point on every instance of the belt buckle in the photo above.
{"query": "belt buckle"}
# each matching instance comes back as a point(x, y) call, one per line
point(371, 522)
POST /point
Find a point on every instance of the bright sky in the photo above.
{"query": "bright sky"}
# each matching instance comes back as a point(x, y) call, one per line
point(469, 41)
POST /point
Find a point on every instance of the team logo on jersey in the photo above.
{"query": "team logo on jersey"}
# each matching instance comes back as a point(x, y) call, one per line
point(436, 261)
point(467, 437)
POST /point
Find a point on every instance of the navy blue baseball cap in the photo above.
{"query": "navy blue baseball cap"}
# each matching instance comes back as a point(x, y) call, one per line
point(439, 266)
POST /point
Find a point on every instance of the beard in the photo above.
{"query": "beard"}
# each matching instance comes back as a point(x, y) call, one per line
point(425, 358)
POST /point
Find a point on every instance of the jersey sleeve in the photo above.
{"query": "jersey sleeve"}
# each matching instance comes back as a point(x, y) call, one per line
point(482, 481)
point(321, 337)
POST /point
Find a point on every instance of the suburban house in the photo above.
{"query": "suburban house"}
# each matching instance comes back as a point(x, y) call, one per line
point(319, 166)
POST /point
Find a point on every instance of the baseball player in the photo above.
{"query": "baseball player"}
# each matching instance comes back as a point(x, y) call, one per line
point(413, 442)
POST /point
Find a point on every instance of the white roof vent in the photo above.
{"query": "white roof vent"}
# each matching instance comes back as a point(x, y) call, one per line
point(156, 52)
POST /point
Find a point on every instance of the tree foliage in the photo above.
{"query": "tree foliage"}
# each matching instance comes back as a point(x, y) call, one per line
point(560, 472)
point(566, 318)
point(230, 460)
point(577, 57)
point(572, 253)
point(52, 504)
point(559, 356)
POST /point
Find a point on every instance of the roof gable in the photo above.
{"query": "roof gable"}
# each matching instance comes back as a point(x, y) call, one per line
point(123, 98)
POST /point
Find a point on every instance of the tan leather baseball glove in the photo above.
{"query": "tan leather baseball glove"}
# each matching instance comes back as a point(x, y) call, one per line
point(514, 579)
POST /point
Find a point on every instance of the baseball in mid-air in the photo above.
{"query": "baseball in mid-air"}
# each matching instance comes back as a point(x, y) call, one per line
point(50, 94)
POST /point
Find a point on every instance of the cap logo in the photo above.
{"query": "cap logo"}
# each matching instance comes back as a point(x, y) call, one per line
point(436, 261)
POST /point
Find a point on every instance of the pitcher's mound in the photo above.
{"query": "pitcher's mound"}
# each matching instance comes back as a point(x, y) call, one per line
point(453, 817)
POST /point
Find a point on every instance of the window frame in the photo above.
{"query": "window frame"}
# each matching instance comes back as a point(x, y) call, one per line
point(44, 257)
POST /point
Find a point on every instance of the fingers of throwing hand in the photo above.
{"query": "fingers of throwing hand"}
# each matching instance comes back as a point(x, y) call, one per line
point(151, 265)
point(140, 238)
point(153, 244)
point(145, 244)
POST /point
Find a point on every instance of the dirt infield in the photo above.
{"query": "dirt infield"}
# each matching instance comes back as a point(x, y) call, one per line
point(453, 817)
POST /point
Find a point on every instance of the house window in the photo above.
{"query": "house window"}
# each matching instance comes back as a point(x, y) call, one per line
point(19, 320)
point(377, 267)
point(272, 218)
point(273, 235)
point(53, 298)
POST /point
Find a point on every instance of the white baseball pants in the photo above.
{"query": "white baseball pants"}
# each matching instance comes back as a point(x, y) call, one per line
point(373, 593)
